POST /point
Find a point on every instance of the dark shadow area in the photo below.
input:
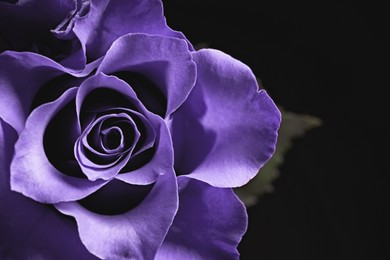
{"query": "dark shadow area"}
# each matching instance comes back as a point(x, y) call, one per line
point(116, 197)
point(150, 95)
point(59, 139)
point(33, 34)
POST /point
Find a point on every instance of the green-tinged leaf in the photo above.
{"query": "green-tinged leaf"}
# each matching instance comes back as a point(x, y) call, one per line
point(293, 126)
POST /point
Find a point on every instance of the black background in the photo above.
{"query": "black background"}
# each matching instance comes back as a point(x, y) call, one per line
point(330, 61)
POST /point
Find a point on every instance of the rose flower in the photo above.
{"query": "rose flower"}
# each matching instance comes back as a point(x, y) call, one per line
point(129, 149)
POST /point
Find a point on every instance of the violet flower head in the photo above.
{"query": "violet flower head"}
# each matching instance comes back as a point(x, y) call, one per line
point(125, 142)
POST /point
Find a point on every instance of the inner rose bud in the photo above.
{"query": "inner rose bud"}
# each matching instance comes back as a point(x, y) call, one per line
point(112, 134)
point(112, 138)
point(107, 141)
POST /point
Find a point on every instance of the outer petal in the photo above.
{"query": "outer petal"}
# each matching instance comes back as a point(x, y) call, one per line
point(108, 20)
point(16, 92)
point(227, 129)
point(164, 61)
point(30, 230)
point(209, 224)
point(32, 20)
point(136, 234)
point(31, 172)
point(64, 30)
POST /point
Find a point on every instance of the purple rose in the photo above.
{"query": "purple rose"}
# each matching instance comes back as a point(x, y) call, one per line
point(132, 150)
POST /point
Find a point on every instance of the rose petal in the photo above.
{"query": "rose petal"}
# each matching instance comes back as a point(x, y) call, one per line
point(121, 17)
point(105, 143)
point(227, 129)
point(31, 172)
point(209, 224)
point(16, 92)
point(136, 234)
point(165, 61)
point(161, 161)
point(96, 144)
point(148, 136)
point(30, 230)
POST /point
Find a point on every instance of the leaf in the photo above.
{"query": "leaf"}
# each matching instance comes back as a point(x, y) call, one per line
point(293, 126)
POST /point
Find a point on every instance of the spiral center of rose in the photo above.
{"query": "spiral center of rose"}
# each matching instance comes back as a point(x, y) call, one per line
point(112, 138)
